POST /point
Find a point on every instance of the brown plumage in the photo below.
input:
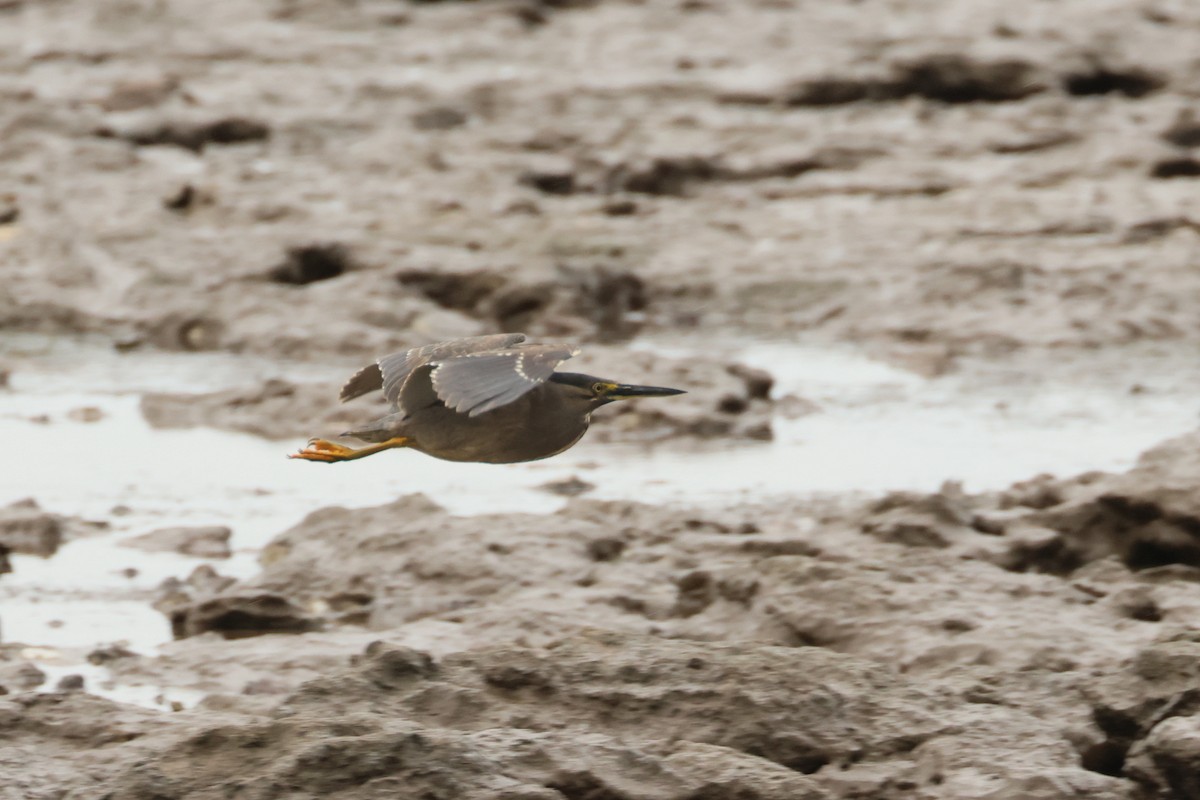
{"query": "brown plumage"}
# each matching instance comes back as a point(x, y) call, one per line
point(494, 399)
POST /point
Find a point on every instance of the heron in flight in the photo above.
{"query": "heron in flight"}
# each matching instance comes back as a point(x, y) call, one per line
point(495, 399)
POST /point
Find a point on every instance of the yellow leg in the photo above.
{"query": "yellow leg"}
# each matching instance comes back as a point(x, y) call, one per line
point(328, 452)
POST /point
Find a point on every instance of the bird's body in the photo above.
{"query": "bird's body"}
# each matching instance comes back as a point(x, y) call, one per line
point(490, 399)
point(499, 436)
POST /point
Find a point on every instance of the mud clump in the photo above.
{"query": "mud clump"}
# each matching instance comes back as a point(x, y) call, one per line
point(1176, 168)
point(439, 118)
point(203, 542)
point(1184, 131)
point(943, 77)
point(1148, 712)
point(235, 617)
point(26, 529)
point(1147, 517)
point(553, 179)
point(208, 602)
point(181, 331)
point(311, 263)
point(194, 136)
point(568, 487)
point(18, 674)
point(920, 520)
point(1099, 79)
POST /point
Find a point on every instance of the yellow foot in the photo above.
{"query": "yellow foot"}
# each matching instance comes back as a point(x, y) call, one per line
point(323, 450)
point(329, 452)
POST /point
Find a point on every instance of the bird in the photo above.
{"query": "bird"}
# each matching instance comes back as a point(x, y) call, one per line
point(495, 399)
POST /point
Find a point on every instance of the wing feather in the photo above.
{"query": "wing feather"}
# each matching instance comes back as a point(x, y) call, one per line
point(393, 371)
point(479, 382)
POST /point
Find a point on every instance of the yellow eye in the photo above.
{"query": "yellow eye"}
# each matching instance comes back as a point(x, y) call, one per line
point(599, 388)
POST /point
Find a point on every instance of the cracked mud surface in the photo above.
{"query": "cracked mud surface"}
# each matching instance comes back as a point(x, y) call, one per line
point(988, 190)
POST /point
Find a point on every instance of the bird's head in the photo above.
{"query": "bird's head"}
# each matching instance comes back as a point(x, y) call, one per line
point(594, 392)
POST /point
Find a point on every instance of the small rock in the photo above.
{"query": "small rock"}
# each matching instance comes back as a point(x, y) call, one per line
point(569, 487)
point(110, 653)
point(182, 199)
point(265, 686)
point(792, 406)
point(550, 176)
point(916, 520)
point(85, 414)
point(696, 591)
point(392, 666)
point(1168, 759)
point(311, 263)
point(439, 118)
point(21, 676)
point(1184, 131)
point(10, 212)
point(70, 683)
point(1169, 168)
point(1040, 491)
point(1136, 602)
point(607, 548)
point(758, 382)
point(620, 208)
point(26, 529)
point(237, 616)
point(732, 404)
point(130, 95)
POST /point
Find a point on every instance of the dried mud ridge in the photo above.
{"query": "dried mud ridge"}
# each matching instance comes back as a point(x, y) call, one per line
point(1034, 642)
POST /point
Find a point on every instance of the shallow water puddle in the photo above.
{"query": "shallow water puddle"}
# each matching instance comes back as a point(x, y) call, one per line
point(878, 428)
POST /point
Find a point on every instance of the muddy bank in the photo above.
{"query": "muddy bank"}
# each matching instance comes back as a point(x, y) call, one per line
point(618, 716)
point(938, 645)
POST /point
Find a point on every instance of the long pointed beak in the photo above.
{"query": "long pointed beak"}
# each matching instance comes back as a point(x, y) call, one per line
point(625, 391)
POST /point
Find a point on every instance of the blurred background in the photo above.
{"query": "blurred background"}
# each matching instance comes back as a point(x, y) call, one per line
point(902, 249)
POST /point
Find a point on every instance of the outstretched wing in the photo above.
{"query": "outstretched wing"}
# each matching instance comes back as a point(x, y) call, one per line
point(478, 382)
point(391, 372)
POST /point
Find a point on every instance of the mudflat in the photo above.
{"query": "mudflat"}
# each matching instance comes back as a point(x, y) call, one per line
point(926, 524)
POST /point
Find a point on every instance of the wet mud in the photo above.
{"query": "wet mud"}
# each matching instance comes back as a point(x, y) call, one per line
point(756, 591)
